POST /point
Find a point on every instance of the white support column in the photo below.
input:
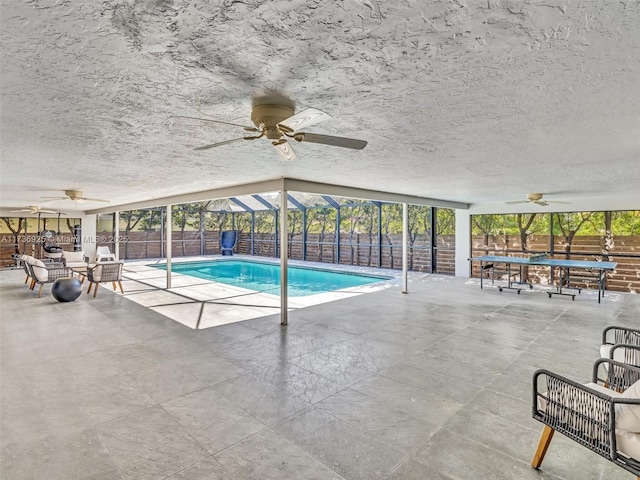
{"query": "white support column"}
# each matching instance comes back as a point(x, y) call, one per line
point(463, 243)
point(405, 248)
point(116, 235)
point(284, 256)
point(168, 245)
point(88, 237)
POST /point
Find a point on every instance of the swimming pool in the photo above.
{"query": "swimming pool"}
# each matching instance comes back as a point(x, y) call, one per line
point(265, 277)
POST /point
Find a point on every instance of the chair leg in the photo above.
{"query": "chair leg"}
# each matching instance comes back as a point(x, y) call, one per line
point(40, 291)
point(26, 280)
point(95, 291)
point(121, 289)
point(543, 444)
point(114, 286)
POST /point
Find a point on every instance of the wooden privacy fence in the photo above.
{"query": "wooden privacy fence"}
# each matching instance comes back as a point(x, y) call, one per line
point(359, 250)
point(625, 252)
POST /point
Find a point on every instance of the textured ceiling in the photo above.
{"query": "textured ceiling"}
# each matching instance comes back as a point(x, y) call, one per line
point(475, 102)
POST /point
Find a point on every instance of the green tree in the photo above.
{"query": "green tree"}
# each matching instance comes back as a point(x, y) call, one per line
point(352, 215)
point(569, 224)
point(15, 229)
point(321, 219)
point(418, 222)
point(391, 224)
point(131, 220)
point(148, 224)
point(187, 214)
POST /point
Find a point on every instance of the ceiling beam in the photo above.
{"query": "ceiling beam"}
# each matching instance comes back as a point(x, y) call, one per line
point(305, 186)
point(275, 185)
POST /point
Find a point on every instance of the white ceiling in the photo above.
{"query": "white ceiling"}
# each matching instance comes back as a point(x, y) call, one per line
point(473, 102)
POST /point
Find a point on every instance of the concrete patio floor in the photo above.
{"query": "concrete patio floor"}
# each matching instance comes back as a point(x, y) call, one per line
point(435, 384)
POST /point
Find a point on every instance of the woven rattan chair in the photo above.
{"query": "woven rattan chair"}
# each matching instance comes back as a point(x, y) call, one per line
point(25, 264)
point(621, 344)
point(105, 272)
point(605, 420)
point(42, 273)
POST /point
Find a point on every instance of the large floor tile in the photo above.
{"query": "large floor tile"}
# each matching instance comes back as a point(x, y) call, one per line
point(215, 422)
point(260, 398)
point(268, 455)
point(150, 444)
point(343, 448)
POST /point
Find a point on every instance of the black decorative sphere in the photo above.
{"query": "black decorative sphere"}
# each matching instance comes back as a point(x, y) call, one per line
point(66, 289)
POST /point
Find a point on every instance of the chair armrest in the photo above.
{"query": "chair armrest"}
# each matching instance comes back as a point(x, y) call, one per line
point(620, 335)
point(629, 352)
point(579, 412)
point(617, 376)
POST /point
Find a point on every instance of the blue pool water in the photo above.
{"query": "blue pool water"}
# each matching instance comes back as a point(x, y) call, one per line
point(265, 277)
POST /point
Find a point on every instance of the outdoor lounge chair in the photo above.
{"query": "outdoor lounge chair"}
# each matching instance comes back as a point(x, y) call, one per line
point(621, 344)
point(41, 273)
point(604, 420)
point(25, 264)
point(228, 240)
point(74, 259)
point(103, 254)
point(105, 272)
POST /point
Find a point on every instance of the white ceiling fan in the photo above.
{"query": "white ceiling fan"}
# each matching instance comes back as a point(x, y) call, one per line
point(537, 199)
point(33, 209)
point(75, 195)
point(277, 121)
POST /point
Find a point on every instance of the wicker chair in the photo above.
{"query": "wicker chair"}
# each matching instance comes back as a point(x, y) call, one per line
point(41, 273)
point(105, 272)
point(25, 264)
point(621, 344)
point(605, 420)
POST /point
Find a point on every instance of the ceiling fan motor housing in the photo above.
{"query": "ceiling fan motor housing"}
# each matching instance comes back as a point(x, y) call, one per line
point(267, 117)
point(73, 194)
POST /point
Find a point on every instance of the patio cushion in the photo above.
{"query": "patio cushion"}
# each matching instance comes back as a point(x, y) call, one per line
point(628, 416)
point(618, 354)
point(97, 273)
point(74, 259)
point(40, 270)
point(629, 444)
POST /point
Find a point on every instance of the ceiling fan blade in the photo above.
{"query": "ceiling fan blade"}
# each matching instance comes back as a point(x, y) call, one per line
point(513, 202)
point(226, 142)
point(330, 140)
point(285, 151)
point(248, 129)
point(542, 203)
point(94, 200)
point(54, 198)
point(559, 202)
point(305, 118)
point(46, 211)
